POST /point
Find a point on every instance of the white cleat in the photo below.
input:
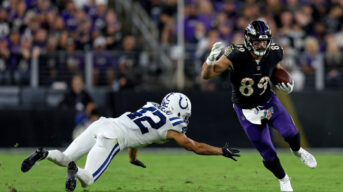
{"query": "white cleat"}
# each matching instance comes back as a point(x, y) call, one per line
point(306, 158)
point(285, 184)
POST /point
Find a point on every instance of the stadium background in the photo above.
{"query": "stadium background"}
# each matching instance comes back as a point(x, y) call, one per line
point(130, 51)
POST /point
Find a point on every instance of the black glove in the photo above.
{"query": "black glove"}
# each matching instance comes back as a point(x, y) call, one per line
point(230, 152)
point(138, 163)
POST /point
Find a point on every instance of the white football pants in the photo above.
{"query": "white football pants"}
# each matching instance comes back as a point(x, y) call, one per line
point(101, 150)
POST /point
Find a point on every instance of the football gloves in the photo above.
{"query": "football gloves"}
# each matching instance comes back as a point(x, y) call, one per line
point(285, 88)
point(138, 163)
point(216, 49)
point(230, 152)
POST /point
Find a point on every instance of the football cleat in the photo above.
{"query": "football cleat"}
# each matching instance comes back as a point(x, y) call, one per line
point(306, 158)
point(285, 184)
point(71, 177)
point(38, 155)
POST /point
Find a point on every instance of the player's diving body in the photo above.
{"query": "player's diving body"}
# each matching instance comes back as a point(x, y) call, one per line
point(103, 139)
point(251, 66)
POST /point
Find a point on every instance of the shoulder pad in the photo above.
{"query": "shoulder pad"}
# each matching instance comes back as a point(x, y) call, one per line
point(234, 48)
point(275, 46)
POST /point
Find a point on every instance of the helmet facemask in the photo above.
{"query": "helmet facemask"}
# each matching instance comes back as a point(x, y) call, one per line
point(258, 30)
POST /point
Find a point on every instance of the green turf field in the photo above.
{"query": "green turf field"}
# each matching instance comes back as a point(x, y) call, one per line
point(179, 172)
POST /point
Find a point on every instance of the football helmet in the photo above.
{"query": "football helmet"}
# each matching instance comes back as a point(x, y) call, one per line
point(179, 104)
point(257, 30)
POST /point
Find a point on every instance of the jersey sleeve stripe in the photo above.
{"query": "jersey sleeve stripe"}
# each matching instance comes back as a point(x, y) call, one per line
point(173, 118)
point(177, 122)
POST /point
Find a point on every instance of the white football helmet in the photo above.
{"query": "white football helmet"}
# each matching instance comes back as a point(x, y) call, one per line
point(179, 104)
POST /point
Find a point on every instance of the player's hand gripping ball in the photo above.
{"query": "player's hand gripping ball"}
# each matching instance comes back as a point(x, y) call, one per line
point(282, 80)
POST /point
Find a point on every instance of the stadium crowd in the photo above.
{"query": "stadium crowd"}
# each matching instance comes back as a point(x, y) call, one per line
point(60, 32)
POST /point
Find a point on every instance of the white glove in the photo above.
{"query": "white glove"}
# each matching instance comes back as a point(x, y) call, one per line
point(285, 88)
point(216, 48)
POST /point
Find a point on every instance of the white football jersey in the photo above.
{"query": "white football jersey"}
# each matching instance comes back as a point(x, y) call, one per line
point(147, 125)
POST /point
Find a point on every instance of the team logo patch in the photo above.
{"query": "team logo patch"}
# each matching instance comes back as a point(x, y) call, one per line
point(268, 113)
point(228, 50)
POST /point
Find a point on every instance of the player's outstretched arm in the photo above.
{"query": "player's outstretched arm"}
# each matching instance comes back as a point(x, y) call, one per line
point(211, 67)
point(201, 148)
point(133, 157)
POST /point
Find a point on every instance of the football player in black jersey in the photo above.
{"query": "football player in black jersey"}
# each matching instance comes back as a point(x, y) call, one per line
point(251, 66)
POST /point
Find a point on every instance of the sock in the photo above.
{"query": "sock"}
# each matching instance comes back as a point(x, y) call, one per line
point(85, 177)
point(275, 167)
point(58, 157)
point(294, 142)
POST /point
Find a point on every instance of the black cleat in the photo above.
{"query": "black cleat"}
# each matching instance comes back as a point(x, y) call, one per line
point(71, 177)
point(38, 155)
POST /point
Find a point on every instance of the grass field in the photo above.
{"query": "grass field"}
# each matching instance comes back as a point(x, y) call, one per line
point(179, 172)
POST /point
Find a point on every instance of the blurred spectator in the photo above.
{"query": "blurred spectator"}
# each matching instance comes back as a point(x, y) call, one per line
point(290, 63)
point(191, 24)
point(251, 11)
point(83, 33)
point(18, 16)
point(68, 16)
point(286, 19)
point(104, 63)
point(5, 68)
point(206, 14)
point(310, 60)
point(99, 19)
point(334, 19)
point(4, 24)
point(78, 99)
point(129, 66)
point(293, 5)
point(20, 58)
point(199, 33)
point(333, 64)
point(74, 61)
point(230, 8)
point(112, 31)
point(40, 39)
point(273, 7)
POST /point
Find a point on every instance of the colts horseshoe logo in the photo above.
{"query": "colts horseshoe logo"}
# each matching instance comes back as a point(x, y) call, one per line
point(181, 105)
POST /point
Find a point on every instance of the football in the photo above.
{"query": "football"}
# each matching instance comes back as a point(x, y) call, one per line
point(281, 76)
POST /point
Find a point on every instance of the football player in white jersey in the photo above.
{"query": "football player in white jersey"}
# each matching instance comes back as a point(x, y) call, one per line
point(103, 139)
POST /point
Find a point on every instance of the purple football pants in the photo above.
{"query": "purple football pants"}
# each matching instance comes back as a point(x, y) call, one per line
point(259, 135)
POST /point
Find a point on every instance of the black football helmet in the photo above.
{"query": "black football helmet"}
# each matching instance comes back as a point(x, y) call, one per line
point(257, 30)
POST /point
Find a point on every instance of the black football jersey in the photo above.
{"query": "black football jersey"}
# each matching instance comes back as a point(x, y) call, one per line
point(250, 79)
